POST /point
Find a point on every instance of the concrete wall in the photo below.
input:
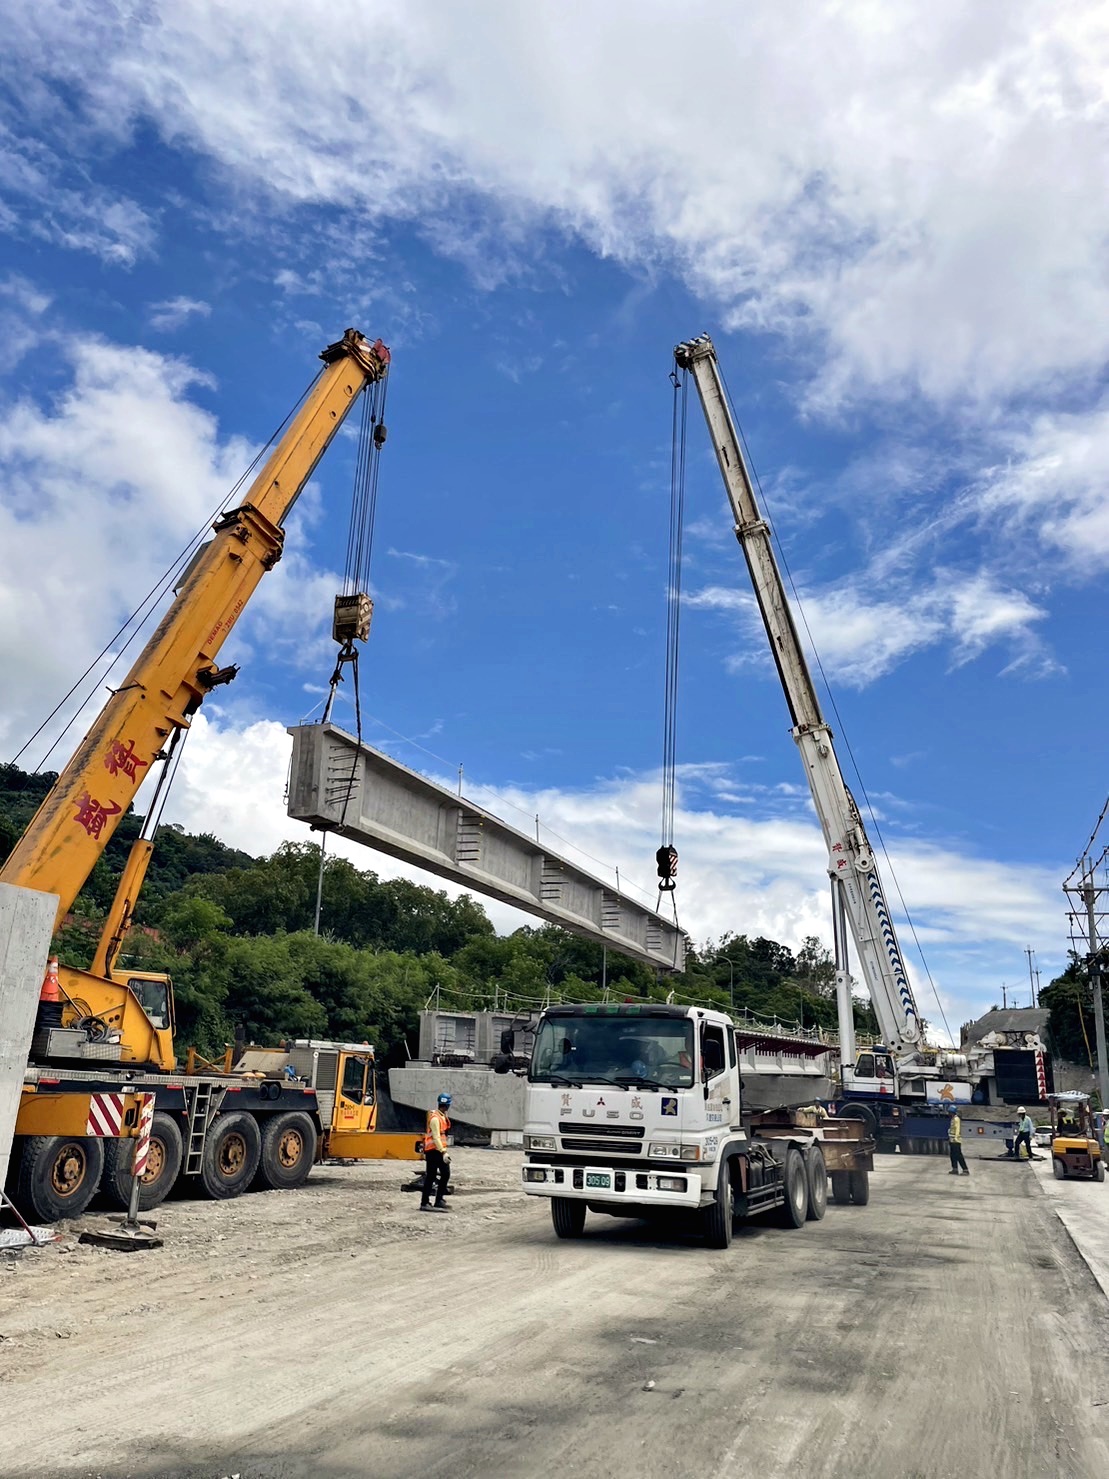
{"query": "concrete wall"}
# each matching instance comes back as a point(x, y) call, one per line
point(26, 924)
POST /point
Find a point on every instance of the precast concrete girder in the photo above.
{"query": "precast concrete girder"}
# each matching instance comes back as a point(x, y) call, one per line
point(340, 786)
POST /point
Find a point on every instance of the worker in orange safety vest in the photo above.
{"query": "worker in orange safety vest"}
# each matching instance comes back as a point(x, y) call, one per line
point(437, 1162)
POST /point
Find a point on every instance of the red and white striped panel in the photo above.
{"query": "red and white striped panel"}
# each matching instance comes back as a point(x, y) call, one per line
point(106, 1115)
point(142, 1149)
point(1041, 1076)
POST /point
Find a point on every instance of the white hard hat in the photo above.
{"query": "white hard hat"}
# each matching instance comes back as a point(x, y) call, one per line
point(1022, 1110)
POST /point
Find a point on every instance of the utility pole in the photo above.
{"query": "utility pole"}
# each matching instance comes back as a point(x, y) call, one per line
point(1031, 977)
point(1004, 997)
point(1090, 896)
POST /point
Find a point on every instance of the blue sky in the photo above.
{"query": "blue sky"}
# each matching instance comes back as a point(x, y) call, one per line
point(896, 236)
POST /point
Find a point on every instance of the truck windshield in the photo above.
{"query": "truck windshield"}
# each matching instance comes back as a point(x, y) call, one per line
point(656, 1050)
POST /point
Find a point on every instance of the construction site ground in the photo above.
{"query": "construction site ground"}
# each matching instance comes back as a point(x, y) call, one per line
point(952, 1327)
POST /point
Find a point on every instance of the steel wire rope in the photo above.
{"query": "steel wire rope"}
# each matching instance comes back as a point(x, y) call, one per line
point(153, 596)
point(1083, 855)
point(835, 707)
point(673, 604)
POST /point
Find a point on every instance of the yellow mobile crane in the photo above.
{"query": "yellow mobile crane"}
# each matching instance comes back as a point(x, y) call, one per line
point(113, 1029)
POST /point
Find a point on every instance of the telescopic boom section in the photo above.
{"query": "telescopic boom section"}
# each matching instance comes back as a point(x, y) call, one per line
point(178, 667)
point(857, 888)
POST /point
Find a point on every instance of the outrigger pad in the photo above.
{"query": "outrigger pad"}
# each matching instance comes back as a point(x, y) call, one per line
point(120, 1240)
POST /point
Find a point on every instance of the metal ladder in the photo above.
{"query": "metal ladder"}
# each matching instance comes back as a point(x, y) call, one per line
point(200, 1112)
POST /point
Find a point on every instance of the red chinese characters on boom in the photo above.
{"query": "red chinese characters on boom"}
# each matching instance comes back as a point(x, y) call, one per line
point(92, 815)
point(122, 760)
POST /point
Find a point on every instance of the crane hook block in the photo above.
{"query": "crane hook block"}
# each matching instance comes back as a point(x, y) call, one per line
point(353, 615)
point(666, 860)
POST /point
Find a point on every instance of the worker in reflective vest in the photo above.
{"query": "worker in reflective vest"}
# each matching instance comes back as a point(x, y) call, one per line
point(437, 1162)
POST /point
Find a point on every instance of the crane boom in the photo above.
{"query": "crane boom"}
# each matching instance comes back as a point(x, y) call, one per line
point(856, 887)
point(177, 667)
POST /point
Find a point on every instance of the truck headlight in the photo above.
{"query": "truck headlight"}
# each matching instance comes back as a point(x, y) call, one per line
point(662, 1150)
point(534, 1173)
point(539, 1142)
point(671, 1183)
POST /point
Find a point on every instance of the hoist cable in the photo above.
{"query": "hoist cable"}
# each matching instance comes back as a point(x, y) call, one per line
point(673, 606)
point(799, 607)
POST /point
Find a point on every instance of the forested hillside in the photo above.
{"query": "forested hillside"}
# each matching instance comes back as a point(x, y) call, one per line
point(236, 934)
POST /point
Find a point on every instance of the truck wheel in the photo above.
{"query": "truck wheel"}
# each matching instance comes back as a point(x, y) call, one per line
point(818, 1184)
point(162, 1167)
point(841, 1187)
point(58, 1175)
point(719, 1219)
point(232, 1150)
point(1059, 1168)
point(288, 1151)
point(568, 1217)
point(795, 1185)
point(860, 1187)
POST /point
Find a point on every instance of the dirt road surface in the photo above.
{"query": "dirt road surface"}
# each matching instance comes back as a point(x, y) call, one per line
point(948, 1329)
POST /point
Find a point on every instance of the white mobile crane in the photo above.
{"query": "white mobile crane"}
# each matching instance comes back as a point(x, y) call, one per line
point(897, 1074)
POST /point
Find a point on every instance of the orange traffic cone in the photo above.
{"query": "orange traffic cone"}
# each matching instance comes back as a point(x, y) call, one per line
point(51, 991)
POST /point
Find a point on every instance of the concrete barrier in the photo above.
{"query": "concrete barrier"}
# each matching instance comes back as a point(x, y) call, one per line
point(26, 924)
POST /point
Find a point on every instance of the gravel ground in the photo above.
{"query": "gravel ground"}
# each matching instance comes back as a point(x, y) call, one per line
point(948, 1329)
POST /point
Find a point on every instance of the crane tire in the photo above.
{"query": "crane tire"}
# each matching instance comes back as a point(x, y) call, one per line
point(232, 1150)
point(818, 1184)
point(864, 1114)
point(1099, 1171)
point(1058, 1166)
point(718, 1220)
point(163, 1167)
point(860, 1187)
point(567, 1217)
point(58, 1175)
point(794, 1210)
point(288, 1150)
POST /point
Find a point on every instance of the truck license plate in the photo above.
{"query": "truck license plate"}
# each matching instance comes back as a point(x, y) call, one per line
point(597, 1178)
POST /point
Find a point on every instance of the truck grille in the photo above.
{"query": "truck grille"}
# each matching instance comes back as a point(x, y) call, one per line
point(626, 1132)
point(603, 1147)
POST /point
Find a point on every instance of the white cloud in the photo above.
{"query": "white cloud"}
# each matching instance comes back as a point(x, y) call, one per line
point(170, 315)
point(43, 194)
point(922, 196)
point(761, 874)
point(1053, 487)
point(100, 489)
point(860, 638)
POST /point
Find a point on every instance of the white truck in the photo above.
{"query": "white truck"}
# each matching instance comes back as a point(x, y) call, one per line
point(637, 1109)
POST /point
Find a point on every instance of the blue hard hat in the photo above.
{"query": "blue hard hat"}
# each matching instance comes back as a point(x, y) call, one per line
point(444, 1101)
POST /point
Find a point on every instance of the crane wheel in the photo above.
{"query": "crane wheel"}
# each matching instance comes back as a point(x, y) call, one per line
point(841, 1187)
point(163, 1165)
point(58, 1175)
point(1099, 1171)
point(567, 1217)
point(1058, 1166)
point(818, 1184)
point(232, 1150)
point(795, 1184)
point(288, 1150)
